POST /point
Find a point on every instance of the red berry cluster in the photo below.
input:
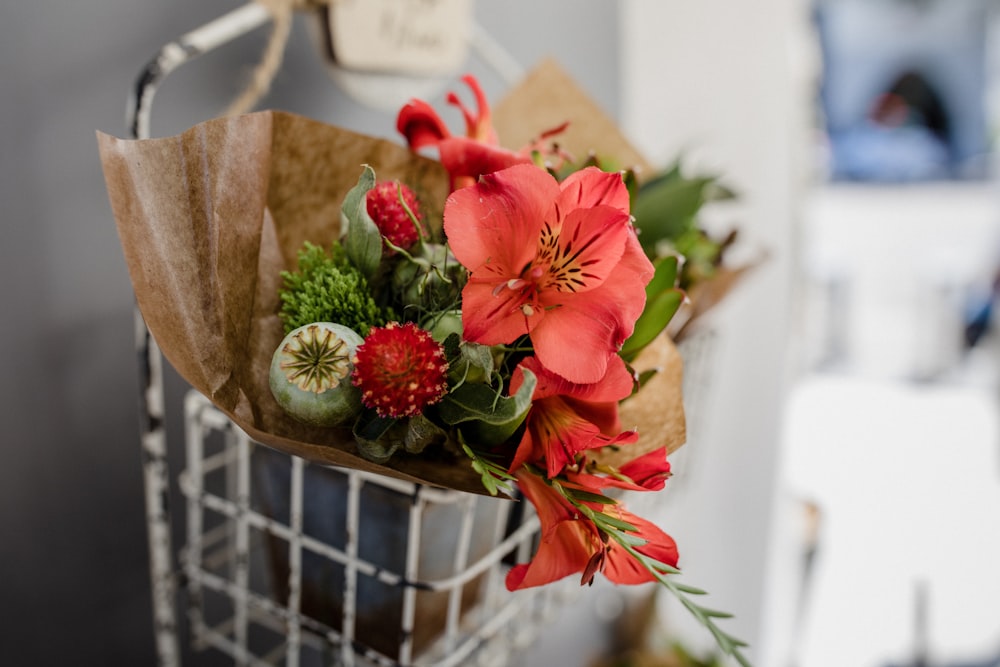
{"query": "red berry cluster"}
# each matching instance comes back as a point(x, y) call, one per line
point(389, 215)
point(400, 370)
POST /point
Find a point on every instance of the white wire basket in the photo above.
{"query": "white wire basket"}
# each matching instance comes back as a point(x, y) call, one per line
point(290, 563)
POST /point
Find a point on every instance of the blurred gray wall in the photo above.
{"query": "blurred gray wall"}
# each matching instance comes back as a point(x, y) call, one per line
point(73, 560)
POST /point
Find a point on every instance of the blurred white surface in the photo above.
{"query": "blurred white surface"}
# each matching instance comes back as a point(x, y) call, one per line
point(907, 478)
point(894, 434)
point(894, 266)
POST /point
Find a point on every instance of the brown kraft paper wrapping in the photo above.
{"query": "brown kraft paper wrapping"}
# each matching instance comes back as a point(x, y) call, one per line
point(208, 220)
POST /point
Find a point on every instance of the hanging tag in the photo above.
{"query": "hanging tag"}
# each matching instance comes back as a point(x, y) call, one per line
point(418, 37)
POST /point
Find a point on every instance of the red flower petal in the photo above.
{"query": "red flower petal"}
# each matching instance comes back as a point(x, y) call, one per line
point(467, 159)
point(559, 555)
point(650, 471)
point(566, 543)
point(622, 568)
point(559, 264)
point(421, 125)
point(558, 424)
point(569, 542)
point(592, 187)
point(478, 125)
point(494, 225)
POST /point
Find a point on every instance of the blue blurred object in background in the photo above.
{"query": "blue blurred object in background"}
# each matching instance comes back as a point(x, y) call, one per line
point(903, 91)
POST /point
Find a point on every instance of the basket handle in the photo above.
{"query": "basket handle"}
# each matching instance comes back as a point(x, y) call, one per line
point(185, 48)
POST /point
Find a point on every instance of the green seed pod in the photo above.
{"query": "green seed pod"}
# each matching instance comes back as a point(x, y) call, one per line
point(430, 277)
point(311, 374)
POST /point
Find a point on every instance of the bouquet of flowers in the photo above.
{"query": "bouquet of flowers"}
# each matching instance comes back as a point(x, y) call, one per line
point(453, 312)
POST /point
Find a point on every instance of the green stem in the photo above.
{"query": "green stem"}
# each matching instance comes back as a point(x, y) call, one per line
point(727, 643)
point(410, 214)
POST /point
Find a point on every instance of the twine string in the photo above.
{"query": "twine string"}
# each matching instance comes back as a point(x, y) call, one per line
point(263, 75)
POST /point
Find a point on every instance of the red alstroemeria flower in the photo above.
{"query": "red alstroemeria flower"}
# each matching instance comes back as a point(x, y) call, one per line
point(572, 544)
point(566, 418)
point(648, 472)
point(558, 262)
point(479, 125)
point(467, 157)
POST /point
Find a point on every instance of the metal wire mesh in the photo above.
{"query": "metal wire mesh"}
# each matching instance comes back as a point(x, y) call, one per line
point(291, 563)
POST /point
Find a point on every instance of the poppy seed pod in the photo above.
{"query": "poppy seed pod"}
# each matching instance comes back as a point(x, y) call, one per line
point(310, 374)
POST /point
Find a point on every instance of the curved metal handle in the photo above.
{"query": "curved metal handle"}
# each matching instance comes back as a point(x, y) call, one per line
point(201, 40)
point(156, 475)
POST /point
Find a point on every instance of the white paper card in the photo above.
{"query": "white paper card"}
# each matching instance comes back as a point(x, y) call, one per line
point(423, 37)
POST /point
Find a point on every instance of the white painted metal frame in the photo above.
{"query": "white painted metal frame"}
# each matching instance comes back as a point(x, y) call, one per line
point(156, 470)
point(219, 561)
point(223, 560)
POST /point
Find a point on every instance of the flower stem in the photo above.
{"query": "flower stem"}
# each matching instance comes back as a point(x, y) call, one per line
point(727, 643)
point(410, 214)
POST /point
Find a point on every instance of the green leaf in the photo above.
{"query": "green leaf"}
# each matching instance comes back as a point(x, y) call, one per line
point(659, 309)
point(451, 347)
point(378, 438)
point(489, 482)
point(666, 207)
point(484, 416)
point(493, 476)
point(715, 191)
point(361, 238)
point(631, 180)
point(633, 540)
point(647, 375)
point(589, 497)
point(475, 363)
point(615, 522)
point(665, 275)
point(690, 590)
point(652, 322)
point(421, 432)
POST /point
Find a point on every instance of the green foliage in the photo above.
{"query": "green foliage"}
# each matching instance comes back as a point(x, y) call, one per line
point(685, 658)
point(361, 237)
point(378, 438)
point(666, 211)
point(483, 414)
point(327, 288)
point(495, 477)
point(428, 277)
point(663, 299)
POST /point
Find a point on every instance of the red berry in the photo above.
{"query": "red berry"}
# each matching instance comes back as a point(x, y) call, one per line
point(400, 370)
point(390, 216)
